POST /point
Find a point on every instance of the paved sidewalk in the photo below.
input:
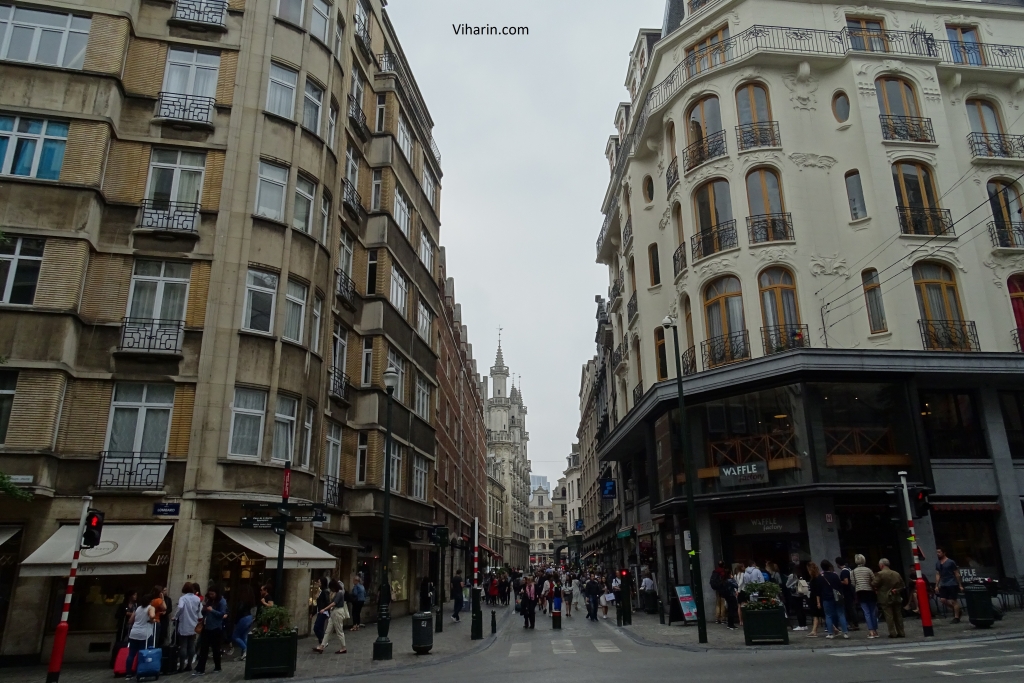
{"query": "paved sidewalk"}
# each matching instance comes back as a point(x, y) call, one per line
point(647, 630)
point(454, 642)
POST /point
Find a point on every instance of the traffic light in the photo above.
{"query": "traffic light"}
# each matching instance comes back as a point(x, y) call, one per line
point(894, 504)
point(93, 529)
point(919, 504)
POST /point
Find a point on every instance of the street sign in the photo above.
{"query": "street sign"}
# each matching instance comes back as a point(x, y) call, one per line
point(262, 522)
point(166, 509)
point(607, 489)
point(310, 518)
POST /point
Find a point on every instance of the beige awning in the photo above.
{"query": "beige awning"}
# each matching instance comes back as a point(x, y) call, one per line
point(339, 540)
point(298, 554)
point(123, 549)
point(7, 533)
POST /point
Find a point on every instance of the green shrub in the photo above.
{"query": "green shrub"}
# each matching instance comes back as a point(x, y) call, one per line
point(271, 622)
point(765, 595)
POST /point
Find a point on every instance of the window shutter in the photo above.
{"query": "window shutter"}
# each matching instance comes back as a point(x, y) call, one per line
point(127, 168)
point(354, 359)
point(83, 426)
point(198, 292)
point(380, 362)
point(36, 406)
point(226, 77)
point(181, 420)
point(213, 179)
point(61, 273)
point(144, 68)
point(349, 446)
point(108, 41)
point(107, 280)
point(83, 154)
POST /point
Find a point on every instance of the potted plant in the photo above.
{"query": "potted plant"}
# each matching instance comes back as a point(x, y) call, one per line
point(764, 618)
point(273, 645)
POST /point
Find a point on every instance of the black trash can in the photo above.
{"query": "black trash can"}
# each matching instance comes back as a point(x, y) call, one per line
point(422, 632)
point(979, 605)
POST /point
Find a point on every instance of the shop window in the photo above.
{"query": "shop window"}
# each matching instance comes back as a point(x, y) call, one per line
point(1013, 419)
point(969, 538)
point(858, 424)
point(951, 425)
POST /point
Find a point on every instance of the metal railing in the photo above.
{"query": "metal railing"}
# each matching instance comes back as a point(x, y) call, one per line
point(859, 441)
point(689, 361)
point(627, 232)
point(996, 145)
point(981, 54)
point(339, 384)
point(151, 335)
point(181, 107)
point(711, 147)
point(332, 491)
point(779, 445)
point(615, 291)
point(161, 214)
point(1006, 235)
point(908, 43)
point(390, 62)
point(1015, 337)
point(679, 259)
point(919, 220)
point(143, 471)
point(699, 4)
point(672, 173)
point(631, 308)
point(620, 354)
point(356, 113)
point(350, 195)
point(762, 134)
point(725, 349)
point(717, 238)
point(210, 12)
point(638, 392)
point(906, 128)
point(770, 227)
point(361, 30)
point(345, 287)
point(949, 335)
point(607, 223)
point(779, 338)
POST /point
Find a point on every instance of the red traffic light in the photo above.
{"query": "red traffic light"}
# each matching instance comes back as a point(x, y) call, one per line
point(93, 529)
point(625, 573)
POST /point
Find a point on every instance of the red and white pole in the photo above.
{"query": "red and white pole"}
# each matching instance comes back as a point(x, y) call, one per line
point(922, 586)
point(476, 553)
point(60, 638)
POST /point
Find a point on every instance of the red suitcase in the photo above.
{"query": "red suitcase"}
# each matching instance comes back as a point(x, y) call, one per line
point(121, 662)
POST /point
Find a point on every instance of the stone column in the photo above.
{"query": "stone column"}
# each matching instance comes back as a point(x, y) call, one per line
point(822, 535)
point(1010, 522)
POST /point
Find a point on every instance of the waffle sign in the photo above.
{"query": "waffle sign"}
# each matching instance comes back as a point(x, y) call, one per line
point(754, 472)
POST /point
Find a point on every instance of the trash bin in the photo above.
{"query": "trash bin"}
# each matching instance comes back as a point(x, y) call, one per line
point(422, 632)
point(979, 605)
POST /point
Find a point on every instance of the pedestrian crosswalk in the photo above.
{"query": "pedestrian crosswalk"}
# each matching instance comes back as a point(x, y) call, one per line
point(1000, 658)
point(565, 646)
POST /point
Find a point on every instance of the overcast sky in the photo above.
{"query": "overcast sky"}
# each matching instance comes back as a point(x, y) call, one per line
point(521, 123)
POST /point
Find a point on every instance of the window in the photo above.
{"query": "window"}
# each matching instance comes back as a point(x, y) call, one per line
point(332, 124)
point(713, 207)
point(866, 35)
point(779, 309)
point(333, 450)
point(140, 418)
point(402, 215)
point(396, 467)
point(986, 129)
point(752, 104)
point(706, 136)
point(33, 148)
point(159, 292)
point(648, 189)
point(377, 189)
point(345, 253)
point(311, 104)
point(965, 45)
point(325, 217)
point(404, 137)
point(661, 353)
point(763, 193)
point(260, 291)
point(20, 260)
point(382, 103)
point(937, 297)
point(367, 369)
point(917, 199)
point(422, 403)
point(352, 166)
point(314, 333)
point(371, 272)
point(723, 311)
point(339, 36)
point(427, 250)
point(855, 195)
point(873, 300)
point(1005, 201)
point(307, 438)
point(8, 383)
point(175, 180)
point(655, 266)
point(357, 88)
point(247, 422)
point(399, 290)
point(951, 425)
point(362, 450)
point(841, 107)
point(294, 310)
point(191, 72)
point(284, 427)
point(896, 97)
point(290, 10)
point(302, 216)
point(270, 193)
point(31, 35)
point(1015, 285)
point(429, 185)
point(424, 320)
point(281, 91)
point(396, 362)
point(709, 53)
point(321, 20)
point(339, 348)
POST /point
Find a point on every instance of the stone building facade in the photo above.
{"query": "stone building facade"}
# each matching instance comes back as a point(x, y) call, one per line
point(542, 527)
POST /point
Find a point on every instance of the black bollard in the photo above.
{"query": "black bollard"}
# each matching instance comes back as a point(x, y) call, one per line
point(556, 618)
point(618, 614)
point(494, 623)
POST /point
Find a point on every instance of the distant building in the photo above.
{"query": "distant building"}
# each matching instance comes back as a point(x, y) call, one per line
point(540, 481)
point(542, 527)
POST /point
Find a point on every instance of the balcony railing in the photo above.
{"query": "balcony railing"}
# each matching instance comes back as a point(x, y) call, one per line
point(188, 108)
point(770, 227)
point(996, 145)
point(345, 287)
point(390, 62)
point(619, 354)
point(151, 335)
point(140, 471)
point(627, 232)
point(638, 392)
point(762, 134)
point(357, 115)
point(351, 197)
point(332, 491)
point(631, 308)
point(672, 174)
point(339, 384)
point(718, 238)
point(1006, 235)
point(689, 361)
point(679, 260)
point(981, 54)
point(906, 128)
point(362, 33)
point(615, 291)
point(917, 220)
point(1015, 336)
point(909, 43)
point(161, 214)
point(698, 4)
point(711, 147)
point(949, 335)
point(725, 349)
point(209, 12)
point(779, 338)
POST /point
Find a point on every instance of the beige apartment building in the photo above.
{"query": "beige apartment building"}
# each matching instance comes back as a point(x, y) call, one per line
point(222, 225)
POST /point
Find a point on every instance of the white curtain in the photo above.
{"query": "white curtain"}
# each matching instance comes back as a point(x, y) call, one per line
point(154, 430)
point(143, 299)
point(189, 184)
point(122, 430)
point(172, 304)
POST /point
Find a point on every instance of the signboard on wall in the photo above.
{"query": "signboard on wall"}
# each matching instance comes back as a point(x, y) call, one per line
point(607, 489)
point(645, 528)
point(686, 602)
point(754, 472)
point(755, 524)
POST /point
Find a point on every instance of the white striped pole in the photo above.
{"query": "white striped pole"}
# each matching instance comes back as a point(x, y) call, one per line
point(921, 587)
point(60, 637)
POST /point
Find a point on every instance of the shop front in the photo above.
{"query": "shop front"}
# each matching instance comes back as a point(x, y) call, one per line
point(776, 535)
point(967, 533)
point(10, 545)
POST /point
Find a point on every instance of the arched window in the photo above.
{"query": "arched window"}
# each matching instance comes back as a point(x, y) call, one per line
point(873, 300)
point(723, 313)
point(900, 114)
point(670, 139)
point(712, 206)
point(705, 134)
point(677, 221)
point(688, 314)
point(768, 221)
point(550, 516)
point(654, 264)
point(782, 329)
point(1016, 287)
point(540, 532)
point(986, 130)
point(919, 211)
point(939, 303)
point(756, 127)
point(551, 546)
point(648, 189)
point(660, 353)
point(1005, 201)
point(631, 268)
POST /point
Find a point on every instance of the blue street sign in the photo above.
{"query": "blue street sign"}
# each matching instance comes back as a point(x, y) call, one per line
point(608, 488)
point(166, 509)
point(579, 525)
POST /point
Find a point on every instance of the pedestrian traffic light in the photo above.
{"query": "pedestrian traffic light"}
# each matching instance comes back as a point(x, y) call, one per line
point(894, 499)
point(919, 504)
point(93, 529)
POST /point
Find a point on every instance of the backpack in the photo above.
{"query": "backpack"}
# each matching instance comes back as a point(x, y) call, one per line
point(717, 582)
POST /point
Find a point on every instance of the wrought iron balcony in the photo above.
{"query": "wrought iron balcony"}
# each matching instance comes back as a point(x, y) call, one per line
point(918, 220)
point(339, 384)
point(988, 55)
point(345, 288)
point(351, 197)
point(1016, 335)
point(187, 108)
point(679, 260)
point(389, 62)
point(770, 227)
point(362, 33)
point(638, 392)
point(779, 338)
point(620, 354)
point(949, 335)
point(332, 491)
point(160, 214)
point(1006, 235)
point(762, 134)
point(907, 128)
point(909, 43)
point(698, 4)
point(725, 349)
point(151, 335)
point(138, 471)
point(711, 147)
point(718, 238)
point(689, 361)
point(615, 291)
point(996, 145)
point(672, 174)
point(357, 116)
point(631, 308)
point(205, 12)
point(627, 233)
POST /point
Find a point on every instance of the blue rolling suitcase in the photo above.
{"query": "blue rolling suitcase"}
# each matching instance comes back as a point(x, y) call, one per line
point(149, 661)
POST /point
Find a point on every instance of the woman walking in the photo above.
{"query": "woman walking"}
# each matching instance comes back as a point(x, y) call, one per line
point(816, 584)
point(323, 599)
point(358, 598)
point(214, 610)
point(568, 590)
point(528, 606)
point(338, 612)
point(862, 577)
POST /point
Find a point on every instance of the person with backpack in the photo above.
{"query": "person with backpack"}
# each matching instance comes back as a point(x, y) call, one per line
point(717, 582)
point(798, 591)
point(832, 601)
point(849, 594)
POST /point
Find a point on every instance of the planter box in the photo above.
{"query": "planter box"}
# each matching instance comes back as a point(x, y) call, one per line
point(272, 657)
point(765, 626)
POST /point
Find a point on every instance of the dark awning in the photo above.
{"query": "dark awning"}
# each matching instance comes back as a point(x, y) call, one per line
point(339, 540)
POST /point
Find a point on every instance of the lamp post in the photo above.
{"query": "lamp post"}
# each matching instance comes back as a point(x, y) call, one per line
point(382, 646)
point(691, 476)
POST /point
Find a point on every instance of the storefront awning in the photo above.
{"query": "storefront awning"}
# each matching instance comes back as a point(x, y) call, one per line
point(339, 540)
point(298, 554)
point(950, 506)
point(7, 533)
point(123, 549)
point(490, 551)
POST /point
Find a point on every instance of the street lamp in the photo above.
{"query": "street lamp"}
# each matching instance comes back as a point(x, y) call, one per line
point(691, 476)
point(382, 646)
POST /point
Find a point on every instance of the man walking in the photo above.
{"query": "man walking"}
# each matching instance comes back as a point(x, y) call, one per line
point(593, 592)
point(888, 587)
point(849, 596)
point(947, 582)
point(457, 584)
